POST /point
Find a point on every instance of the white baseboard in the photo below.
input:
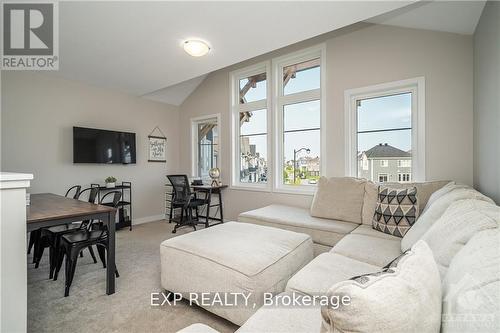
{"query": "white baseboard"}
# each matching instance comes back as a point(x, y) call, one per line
point(147, 219)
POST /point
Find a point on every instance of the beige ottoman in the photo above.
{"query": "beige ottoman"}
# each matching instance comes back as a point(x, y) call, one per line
point(233, 258)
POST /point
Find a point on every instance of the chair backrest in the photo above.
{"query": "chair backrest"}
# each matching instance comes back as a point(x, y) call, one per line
point(117, 195)
point(93, 192)
point(181, 189)
point(75, 188)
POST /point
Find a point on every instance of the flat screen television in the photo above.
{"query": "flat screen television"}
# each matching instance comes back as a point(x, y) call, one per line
point(92, 145)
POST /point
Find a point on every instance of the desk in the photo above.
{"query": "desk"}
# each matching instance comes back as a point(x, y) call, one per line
point(208, 190)
point(47, 209)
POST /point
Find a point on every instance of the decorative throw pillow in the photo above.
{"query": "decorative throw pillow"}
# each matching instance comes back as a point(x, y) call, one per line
point(404, 297)
point(339, 198)
point(396, 210)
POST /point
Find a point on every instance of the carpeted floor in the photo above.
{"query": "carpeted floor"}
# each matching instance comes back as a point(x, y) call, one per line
point(89, 309)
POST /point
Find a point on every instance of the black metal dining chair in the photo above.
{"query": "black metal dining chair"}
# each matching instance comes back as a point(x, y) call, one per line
point(186, 200)
point(35, 234)
point(72, 244)
point(51, 237)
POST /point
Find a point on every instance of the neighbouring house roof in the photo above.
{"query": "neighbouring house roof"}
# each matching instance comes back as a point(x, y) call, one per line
point(385, 150)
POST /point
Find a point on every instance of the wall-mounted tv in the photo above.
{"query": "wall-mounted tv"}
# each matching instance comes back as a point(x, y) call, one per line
point(92, 145)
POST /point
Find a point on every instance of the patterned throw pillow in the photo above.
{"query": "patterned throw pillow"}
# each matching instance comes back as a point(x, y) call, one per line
point(404, 297)
point(396, 210)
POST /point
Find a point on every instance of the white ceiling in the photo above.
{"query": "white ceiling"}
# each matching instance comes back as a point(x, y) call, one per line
point(135, 47)
point(451, 16)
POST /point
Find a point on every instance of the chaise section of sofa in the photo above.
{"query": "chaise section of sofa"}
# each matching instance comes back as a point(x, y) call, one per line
point(325, 233)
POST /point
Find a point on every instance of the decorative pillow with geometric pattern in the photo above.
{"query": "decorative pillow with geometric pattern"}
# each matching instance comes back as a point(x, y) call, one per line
point(396, 210)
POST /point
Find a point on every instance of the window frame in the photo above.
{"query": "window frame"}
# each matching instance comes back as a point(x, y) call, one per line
point(280, 100)
point(236, 109)
point(416, 86)
point(194, 141)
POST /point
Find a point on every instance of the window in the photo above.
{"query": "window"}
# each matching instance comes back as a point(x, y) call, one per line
point(404, 163)
point(299, 116)
point(283, 107)
point(385, 123)
point(404, 177)
point(250, 130)
point(382, 177)
point(205, 138)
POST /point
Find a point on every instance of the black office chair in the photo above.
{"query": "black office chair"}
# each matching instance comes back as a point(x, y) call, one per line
point(183, 198)
point(75, 242)
point(51, 237)
point(35, 234)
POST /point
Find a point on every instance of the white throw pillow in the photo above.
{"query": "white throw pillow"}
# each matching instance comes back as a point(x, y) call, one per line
point(339, 198)
point(471, 297)
point(460, 222)
point(436, 209)
point(404, 297)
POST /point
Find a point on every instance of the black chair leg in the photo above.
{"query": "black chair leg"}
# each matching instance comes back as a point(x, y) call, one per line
point(60, 258)
point(52, 261)
point(34, 235)
point(102, 255)
point(70, 271)
point(38, 252)
point(92, 254)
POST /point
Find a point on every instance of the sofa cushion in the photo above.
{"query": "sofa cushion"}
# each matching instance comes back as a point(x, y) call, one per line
point(433, 212)
point(339, 198)
point(397, 210)
point(367, 230)
point(322, 231)
point(324, 271)
point(471, 301)
point(283, 318)
point(404, 297)
point(459, 223)
point(424, 191)
point(371, 250)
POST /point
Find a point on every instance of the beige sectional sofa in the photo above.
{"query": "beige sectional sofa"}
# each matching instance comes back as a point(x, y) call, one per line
point(319, 221)
point(459, 225)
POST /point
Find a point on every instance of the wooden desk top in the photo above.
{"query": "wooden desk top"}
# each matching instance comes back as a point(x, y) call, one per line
point(48, 207)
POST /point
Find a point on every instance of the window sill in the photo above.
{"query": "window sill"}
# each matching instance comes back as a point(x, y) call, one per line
point(250, 188)
point(297, 190)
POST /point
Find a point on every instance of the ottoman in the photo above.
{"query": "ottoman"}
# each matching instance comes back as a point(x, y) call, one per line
point(233, 258)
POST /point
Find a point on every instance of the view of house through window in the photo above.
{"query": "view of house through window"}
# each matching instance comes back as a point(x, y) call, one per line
point(207, 146)
point(384, 138)
point(278, 102)
point(301, 123)
point(253, 130)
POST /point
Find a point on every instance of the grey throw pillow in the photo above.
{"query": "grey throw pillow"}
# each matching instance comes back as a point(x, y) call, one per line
point(396, 210)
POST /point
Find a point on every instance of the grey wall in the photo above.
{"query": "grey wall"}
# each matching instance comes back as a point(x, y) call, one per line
point(487, 102)
point(38, 113)
point(359, 56)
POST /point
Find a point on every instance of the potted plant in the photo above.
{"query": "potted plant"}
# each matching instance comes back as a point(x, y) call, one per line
point(110, 182)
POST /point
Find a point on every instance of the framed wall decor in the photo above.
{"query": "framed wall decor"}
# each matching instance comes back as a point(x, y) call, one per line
point(157, 147)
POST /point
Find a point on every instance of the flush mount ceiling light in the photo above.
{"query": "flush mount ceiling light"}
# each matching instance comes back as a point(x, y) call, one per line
point(196, 48)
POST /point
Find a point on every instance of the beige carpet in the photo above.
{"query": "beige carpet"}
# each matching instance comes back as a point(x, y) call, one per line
point(89, 309)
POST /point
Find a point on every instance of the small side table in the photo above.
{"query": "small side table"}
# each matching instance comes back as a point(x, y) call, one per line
point(208, 190)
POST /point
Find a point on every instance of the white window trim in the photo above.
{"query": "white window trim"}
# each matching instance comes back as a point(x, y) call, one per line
point(279, 100)
point(194, 141)
point(414, 85)
point(236, 108)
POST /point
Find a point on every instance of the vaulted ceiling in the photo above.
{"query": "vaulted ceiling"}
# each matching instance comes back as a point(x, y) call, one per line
point(136, 47)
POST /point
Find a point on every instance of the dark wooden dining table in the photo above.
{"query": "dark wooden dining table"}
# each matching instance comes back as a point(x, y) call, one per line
point(47, 209)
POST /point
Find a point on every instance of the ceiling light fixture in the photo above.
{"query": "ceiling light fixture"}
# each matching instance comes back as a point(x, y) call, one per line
point(196, 48)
